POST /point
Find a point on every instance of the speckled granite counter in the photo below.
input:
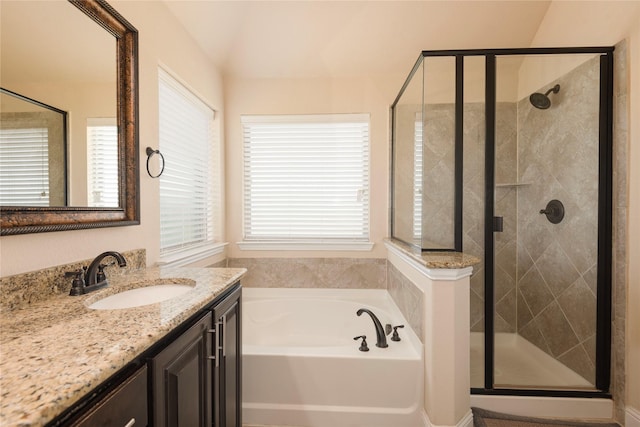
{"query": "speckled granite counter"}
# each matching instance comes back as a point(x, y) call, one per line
point(54, 352)
point(444, 259)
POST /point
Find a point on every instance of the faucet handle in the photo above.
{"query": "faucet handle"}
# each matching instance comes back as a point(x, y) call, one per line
point(77, 285)
point(363, 346)
point(395, 336)
point(100, 276)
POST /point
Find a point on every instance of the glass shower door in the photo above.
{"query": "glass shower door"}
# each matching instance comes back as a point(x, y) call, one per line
point(546, 204)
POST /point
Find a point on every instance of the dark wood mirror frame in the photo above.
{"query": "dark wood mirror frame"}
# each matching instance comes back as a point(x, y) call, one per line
point(23, 220)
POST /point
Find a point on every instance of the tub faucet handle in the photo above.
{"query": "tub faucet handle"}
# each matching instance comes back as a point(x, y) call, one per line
point(395, 336)
point(363, 346)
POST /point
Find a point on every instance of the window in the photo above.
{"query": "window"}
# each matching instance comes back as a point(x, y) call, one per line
point(417, 179)
point(102, 167)
point(24, 166)
point(306, 182)
point(189, 185)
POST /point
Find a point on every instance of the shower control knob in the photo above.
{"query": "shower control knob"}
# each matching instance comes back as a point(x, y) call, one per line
point(395, 336)
point(554, 211)
point(363, 345)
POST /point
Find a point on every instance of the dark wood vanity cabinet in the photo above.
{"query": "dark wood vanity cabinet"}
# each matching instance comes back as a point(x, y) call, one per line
point(227, 372)
point(124, 406)
point(190, 378)
point(181, 379)
point(196, 378)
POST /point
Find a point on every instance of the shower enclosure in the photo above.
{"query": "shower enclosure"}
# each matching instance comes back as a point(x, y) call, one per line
point(506, 155)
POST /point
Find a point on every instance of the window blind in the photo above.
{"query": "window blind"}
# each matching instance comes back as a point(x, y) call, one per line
point(417, 179)
point(24, 166)
point(102, 167)
point(188, 192)
point(306, 178)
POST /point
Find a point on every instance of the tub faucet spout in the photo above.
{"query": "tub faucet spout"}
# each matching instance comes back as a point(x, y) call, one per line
point(381, 337)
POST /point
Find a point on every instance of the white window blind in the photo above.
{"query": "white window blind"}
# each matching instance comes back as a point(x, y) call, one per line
point(189, 188)
point(24, 166)
point(102, 167)
point(417, 178)
point(306, 178)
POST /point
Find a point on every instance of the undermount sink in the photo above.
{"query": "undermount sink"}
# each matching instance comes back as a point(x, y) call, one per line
point(141, 296)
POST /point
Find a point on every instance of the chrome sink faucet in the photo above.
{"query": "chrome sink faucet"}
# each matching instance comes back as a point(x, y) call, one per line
point(94, 277)
point(381, 337)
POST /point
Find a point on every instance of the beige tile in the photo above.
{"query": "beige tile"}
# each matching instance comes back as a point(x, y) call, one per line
point(579, 306)
point(535, 291)
point(578, 361)
point(556, 329)
point(556, 269)
point(506, 309)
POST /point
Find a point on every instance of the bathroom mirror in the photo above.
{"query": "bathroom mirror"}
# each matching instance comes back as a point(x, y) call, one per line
point(97, 60)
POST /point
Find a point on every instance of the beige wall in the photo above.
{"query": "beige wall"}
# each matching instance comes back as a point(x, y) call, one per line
point(162, 41)
point(367, 94)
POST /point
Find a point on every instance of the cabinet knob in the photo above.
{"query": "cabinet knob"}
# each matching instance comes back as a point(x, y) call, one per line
point(131, 422)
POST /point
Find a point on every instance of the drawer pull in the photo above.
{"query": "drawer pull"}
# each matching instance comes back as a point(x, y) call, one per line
point(131, 422)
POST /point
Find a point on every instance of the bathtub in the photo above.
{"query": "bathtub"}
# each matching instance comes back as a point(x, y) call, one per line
point(302, 367)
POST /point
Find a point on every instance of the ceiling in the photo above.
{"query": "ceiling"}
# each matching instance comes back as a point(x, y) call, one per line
point(339, 38)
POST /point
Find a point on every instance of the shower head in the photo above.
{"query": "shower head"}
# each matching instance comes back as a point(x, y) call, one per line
point(541, 101)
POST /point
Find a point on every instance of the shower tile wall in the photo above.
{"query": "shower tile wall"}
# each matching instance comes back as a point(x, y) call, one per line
point(505, 206)
point(545, 282)
point(620, 205)
point(558, 159)
point(438, 160)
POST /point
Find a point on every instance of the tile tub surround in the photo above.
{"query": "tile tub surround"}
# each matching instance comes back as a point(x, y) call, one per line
point(407, 297)
point(56, 351)
point(350, 273)
point(20, 290)
point(343, 273)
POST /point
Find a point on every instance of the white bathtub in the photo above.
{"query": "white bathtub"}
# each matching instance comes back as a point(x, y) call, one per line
point(302, 367)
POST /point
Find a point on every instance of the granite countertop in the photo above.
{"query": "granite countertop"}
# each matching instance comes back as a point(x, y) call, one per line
point(435, 259)
point(54, 352)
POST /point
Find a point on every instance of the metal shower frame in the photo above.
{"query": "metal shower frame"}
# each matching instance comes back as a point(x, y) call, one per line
point(605, 204)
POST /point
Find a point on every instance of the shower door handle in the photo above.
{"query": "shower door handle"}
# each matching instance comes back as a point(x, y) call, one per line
point(498, 225)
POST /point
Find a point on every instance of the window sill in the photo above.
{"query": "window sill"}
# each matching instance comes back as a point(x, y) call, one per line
point(305, 246)
point(181, 258)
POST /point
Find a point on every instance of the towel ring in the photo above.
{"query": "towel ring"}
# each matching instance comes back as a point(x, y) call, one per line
point(150, 153)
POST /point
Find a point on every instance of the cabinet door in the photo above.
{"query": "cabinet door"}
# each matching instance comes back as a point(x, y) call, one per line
point(182, 379)
point(227, 392)
point(126, 406)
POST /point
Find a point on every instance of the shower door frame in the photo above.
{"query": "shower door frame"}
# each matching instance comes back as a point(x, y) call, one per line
point(605, 205)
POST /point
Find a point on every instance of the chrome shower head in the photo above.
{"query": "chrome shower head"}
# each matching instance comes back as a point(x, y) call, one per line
point(542, 101)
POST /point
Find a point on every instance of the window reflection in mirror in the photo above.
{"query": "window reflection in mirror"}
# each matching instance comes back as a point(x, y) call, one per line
point(32, 152)
point(54, 53)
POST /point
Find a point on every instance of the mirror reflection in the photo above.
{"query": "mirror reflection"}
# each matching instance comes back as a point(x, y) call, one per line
point(53, 53)
point(32, 152)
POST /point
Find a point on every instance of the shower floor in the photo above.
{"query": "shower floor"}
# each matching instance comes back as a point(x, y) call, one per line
point(518, 363)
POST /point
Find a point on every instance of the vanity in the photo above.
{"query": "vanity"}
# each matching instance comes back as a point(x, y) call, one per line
point(174, 362)
point(61, 362)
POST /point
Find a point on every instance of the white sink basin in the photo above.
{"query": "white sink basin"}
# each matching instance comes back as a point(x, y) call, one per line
point(140, 296)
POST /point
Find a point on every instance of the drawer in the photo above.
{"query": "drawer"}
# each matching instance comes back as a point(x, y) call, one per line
point(125, 406)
